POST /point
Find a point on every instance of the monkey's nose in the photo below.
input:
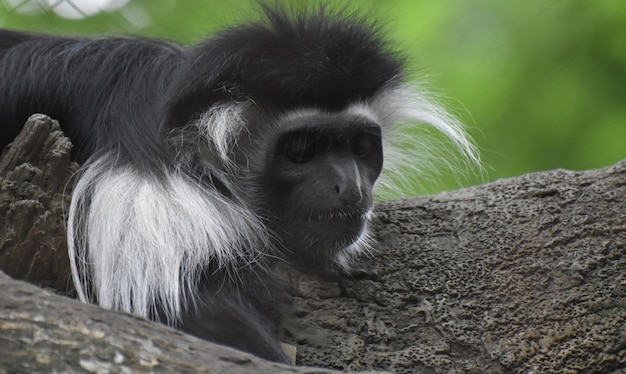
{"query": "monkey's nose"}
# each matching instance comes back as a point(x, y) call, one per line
point(349, 193)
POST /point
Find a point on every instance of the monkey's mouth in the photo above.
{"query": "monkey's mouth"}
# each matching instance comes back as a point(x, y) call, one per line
point(338, 214)
point(318, 236)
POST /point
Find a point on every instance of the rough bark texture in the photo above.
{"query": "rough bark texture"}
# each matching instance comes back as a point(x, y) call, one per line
point(521, 275)
point(44, 333)
point(34, 171)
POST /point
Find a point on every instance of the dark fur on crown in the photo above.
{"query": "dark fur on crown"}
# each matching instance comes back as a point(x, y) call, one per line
point(322, 60)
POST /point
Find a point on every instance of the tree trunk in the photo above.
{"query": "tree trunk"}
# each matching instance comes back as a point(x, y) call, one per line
point(522, 275)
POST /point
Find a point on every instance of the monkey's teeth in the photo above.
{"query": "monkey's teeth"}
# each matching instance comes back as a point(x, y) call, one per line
point(336, 214)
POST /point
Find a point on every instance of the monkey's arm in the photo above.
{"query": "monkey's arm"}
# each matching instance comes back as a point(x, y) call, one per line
point(243, 313)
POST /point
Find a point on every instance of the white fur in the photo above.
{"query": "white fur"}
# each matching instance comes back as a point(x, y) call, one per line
point(413, 152)
point(363, 110)
point(220, 127)
point(362, 246)
point(142, 242)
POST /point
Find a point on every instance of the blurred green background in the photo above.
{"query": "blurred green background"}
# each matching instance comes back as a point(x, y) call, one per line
point(541, 84)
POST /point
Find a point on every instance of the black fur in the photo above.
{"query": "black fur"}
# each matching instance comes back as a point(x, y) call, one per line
point(317, 60)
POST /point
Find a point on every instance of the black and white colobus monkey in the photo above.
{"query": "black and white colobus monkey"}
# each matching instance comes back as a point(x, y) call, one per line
point(204, 165)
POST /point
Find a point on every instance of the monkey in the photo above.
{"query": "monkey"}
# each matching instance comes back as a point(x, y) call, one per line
point(204, 166)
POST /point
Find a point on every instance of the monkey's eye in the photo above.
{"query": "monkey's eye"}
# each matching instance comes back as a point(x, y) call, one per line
point(362, 145)
point(300, 149)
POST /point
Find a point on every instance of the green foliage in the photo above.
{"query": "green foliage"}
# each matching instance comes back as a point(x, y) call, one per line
point(541, 84)
point(544, 82)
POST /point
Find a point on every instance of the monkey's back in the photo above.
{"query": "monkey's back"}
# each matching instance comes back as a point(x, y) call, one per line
point(93, 87)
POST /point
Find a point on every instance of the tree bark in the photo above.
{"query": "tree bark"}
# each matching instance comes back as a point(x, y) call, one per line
point(34, 174)
point(523, 275)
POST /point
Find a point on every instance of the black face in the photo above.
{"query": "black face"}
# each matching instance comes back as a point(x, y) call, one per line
point(321, 173)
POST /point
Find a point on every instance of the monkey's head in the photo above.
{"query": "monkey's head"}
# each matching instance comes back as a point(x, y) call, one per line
point(295, 112)
point(316, 183)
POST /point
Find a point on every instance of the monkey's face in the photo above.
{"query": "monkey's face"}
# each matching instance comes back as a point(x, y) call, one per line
point(320, 180)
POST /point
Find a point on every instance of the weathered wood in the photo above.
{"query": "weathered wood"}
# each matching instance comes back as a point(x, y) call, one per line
point(521, 275)
point(34, 171)
point(41, 332)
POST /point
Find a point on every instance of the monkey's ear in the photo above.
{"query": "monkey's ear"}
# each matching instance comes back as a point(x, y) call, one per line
point(190, 95)
point(204, 79)
point(182, 109)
